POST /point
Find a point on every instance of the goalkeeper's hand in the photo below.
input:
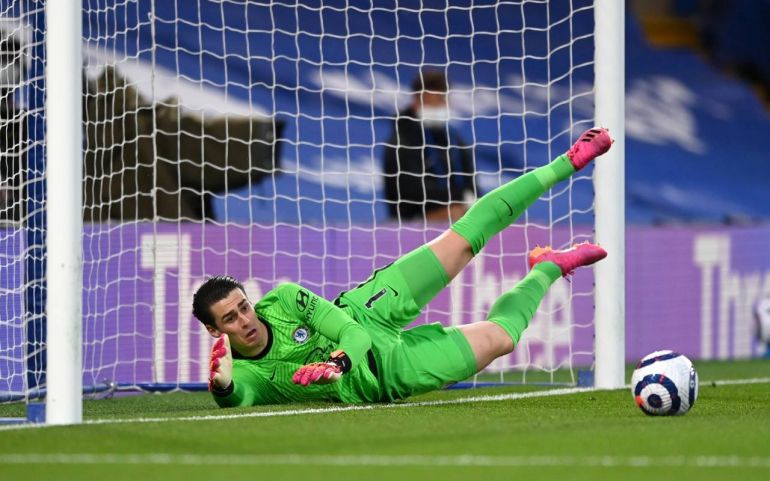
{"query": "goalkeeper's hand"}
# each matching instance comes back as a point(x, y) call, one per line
point(323, 372)
point(221, 365)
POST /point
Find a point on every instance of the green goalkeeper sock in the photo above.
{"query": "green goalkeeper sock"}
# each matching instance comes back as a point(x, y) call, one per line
point(513, 310)
point(501, 207)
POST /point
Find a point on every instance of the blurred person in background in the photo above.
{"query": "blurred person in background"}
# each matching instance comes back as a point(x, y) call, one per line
point(429, 170)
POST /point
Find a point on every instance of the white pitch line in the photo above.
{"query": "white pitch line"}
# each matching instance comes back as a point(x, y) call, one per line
point(730, 382)
point(361, 407)
point(296, 412)
point(378, 460)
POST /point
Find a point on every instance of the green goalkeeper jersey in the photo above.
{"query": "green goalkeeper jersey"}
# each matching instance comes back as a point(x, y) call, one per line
point(302, 328)
point(367, 323)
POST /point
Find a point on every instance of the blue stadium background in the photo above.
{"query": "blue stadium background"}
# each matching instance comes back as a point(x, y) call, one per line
point(696, 138)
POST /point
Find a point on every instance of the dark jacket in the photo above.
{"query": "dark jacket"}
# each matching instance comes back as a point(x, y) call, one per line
point(425, 168)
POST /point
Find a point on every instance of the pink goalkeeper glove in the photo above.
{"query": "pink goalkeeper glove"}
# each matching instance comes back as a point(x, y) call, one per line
point(323, 372)
point(221, 364)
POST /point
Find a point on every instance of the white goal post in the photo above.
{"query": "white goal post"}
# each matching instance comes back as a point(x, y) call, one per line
point(609, 182)
point(319, 156)
point(64, 168)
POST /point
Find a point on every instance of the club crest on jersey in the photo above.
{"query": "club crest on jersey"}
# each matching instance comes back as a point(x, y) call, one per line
point(301, 335)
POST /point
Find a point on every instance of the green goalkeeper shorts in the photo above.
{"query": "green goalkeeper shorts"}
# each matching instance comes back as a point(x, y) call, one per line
point(417, 360)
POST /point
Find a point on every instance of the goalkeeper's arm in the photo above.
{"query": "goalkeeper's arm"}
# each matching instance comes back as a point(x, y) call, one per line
point(233, 386)
point(332, 322)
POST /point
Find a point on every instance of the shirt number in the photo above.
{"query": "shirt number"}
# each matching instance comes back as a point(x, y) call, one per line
point(372, 299)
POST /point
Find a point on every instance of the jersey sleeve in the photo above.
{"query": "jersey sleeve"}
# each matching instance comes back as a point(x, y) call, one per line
point(248, 389)
point(326, 318)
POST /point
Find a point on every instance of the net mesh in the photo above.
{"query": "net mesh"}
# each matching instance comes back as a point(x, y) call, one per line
point(250, 138)
point(22, 225)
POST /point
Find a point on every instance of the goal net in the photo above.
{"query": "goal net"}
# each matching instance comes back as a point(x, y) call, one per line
point(248, 138)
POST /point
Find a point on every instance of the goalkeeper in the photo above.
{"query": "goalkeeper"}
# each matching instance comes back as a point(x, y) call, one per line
point(295, 346)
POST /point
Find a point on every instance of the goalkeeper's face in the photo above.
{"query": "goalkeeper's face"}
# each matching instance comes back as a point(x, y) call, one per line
point(234, 315)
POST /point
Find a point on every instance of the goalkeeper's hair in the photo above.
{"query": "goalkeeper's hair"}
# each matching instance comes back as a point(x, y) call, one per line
point(210, 292)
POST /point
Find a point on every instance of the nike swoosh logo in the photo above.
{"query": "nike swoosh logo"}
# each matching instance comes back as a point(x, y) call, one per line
point(338, 303)
point(395, 292)
point(510, 209)
point(273, 376)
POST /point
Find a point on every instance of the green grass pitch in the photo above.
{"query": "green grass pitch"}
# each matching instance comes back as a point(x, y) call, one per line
point(589, 435)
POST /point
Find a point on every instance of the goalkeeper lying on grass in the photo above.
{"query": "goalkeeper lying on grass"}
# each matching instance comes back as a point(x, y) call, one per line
point(294, 346)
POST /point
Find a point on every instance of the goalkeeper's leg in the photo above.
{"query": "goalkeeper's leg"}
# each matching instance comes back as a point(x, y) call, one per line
point(395, 295)
point(500, 208)
point(430, 356)
point(511, 313)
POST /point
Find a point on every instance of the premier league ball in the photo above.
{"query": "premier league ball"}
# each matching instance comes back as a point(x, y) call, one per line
point(664, 383)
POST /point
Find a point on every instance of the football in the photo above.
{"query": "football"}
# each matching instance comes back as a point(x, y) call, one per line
point(664, 383)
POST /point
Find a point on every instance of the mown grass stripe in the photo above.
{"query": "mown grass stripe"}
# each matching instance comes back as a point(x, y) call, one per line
point(365, 407)
point(377, 460)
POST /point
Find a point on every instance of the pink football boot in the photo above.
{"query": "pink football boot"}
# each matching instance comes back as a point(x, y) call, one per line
point(593, 143)
point(570, 259)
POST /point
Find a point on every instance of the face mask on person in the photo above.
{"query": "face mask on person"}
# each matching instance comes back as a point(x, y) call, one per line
point(434, 115)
